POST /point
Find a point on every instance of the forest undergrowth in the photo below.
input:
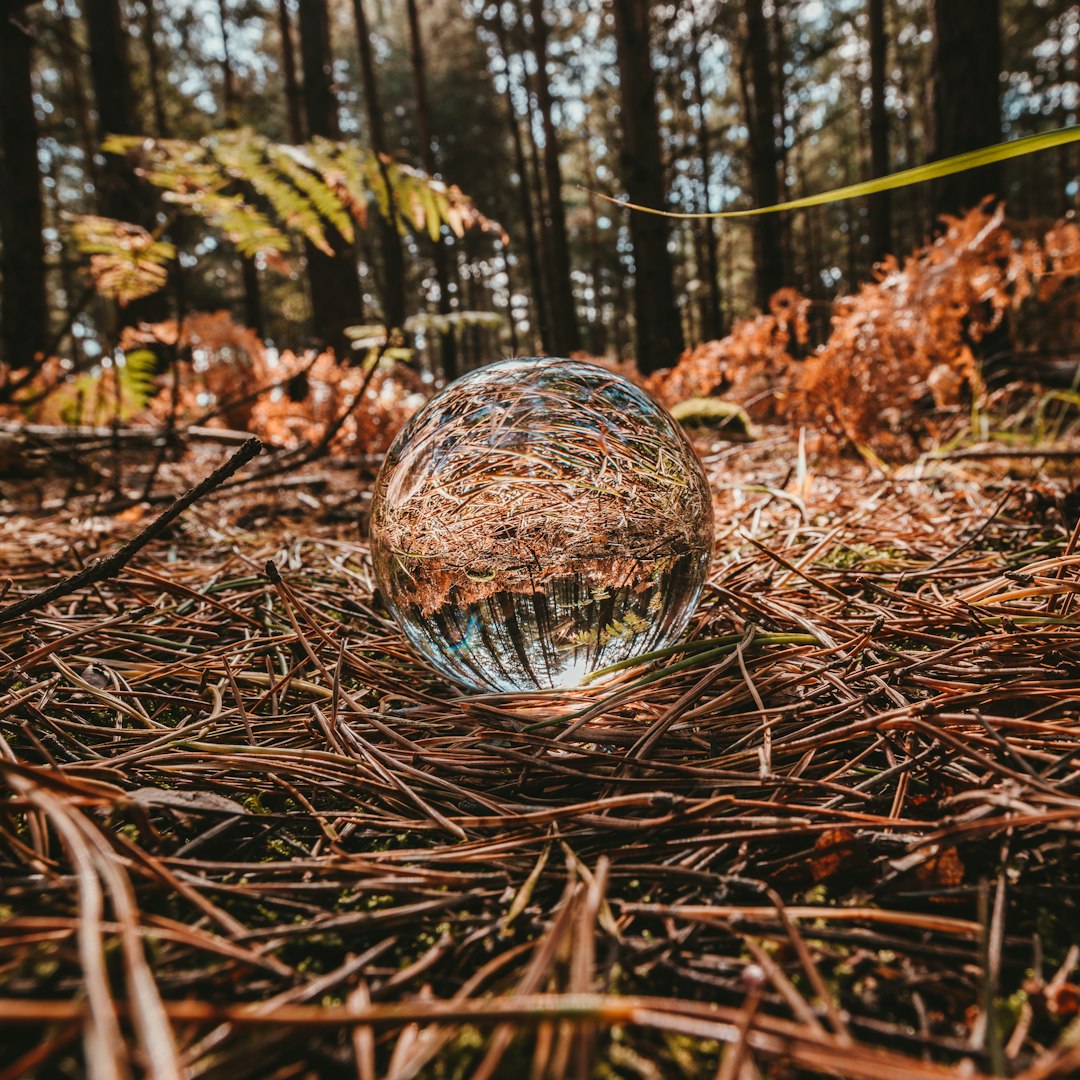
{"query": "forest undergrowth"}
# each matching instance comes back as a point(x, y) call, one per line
point(247, 834)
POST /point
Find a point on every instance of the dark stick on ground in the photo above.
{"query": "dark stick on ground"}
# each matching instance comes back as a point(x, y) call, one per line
point(102, 569)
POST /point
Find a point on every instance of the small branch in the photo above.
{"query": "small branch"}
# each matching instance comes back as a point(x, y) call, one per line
point(980, 455)
point(101, 569)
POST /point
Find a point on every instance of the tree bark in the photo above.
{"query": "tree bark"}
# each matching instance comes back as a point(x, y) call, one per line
point(539, 307)
point(294, 121)
point(447, 338)
point(880, 204)
point(153, 59)
point(659, 329)
point(249, 269)
point(965, 97)
point(24, 306)
point(565, 332)
point(110, 72)
point(756, 74)
point(123, 195)
point(335, 288)
point(596, 333)
point(393, 290)
point(710, 306)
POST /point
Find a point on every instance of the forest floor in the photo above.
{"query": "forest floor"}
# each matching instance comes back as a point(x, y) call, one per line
point(246, 833)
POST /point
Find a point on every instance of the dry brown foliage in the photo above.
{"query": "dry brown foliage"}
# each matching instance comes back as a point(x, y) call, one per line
point(903, 348)
point(285, 398)
point(753, 365)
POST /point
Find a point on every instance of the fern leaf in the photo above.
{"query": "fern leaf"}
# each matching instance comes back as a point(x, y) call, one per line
point(126, 262)
point(296, 190)
point(300, 168)
point(242, 154)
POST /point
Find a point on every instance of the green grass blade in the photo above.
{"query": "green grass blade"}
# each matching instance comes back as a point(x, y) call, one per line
point(971, 159)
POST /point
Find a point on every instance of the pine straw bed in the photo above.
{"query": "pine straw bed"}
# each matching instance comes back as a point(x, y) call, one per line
point(244, 833)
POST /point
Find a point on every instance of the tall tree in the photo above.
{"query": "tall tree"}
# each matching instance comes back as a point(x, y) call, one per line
point(393, 284)
point(659, 330)
point(755, 71)
point(710, 304)
point(154, 65)
point(565, 332)
point(335, 288)
point(965, 96)
point(122, 194)
point(249, 269)
point(880, 204)
point(294, 123)
point(448, 348)
point(525, 202)
point(114, 97)
point(24, 308)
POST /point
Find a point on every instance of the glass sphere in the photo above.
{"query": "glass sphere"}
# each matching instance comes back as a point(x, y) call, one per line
point(537, 520)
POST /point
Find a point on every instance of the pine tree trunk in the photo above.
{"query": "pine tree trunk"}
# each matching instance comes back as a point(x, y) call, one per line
point(153, 58)
point(539, 307)
point(779, 59)
point(110, 71)
point(448, 346)
point(294, 121)
point(249, 269)
point(565, 332)
point(880, 204)
point(541, 219)
point(393, 285)
point(180, 232)
point(24, 306)
point(659, 329)
point(73, 70)
point(965, 97)
point(335, 288)
point(597, 331)
point(710, 306)
point(123, 195)
point(756, 73)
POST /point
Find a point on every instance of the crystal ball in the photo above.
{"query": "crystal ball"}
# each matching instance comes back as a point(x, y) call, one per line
point(539, 520)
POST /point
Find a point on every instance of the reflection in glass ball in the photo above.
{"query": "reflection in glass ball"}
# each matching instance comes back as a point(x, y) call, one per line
point(538, 520)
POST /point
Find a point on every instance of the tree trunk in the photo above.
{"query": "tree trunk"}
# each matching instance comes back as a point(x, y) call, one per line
point(123, 196)
point(710, 305)
point(965, 97)
point(539, 308)
point(565, 333)
point(153, 59)
point(756, 74)
point(71, 59)
point(780, 58)
point(448, 347)
point(335, 288)
point(110, 71)
point(880, 204)
point(393, 290)
point(249, 269)
point(25, 311)
point(659, 330)
point(294, 122)
point(597, 331)
point(541, 219)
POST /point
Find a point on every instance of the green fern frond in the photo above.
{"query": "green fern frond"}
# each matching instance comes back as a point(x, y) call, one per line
point(137, 377)
point(126, 262)
point(299, 167)
point(344, 167)
point(282, 190)
point(118, 392)
point(244, 157)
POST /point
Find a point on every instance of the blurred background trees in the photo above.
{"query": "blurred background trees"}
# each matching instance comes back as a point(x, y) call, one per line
point(529, 106)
